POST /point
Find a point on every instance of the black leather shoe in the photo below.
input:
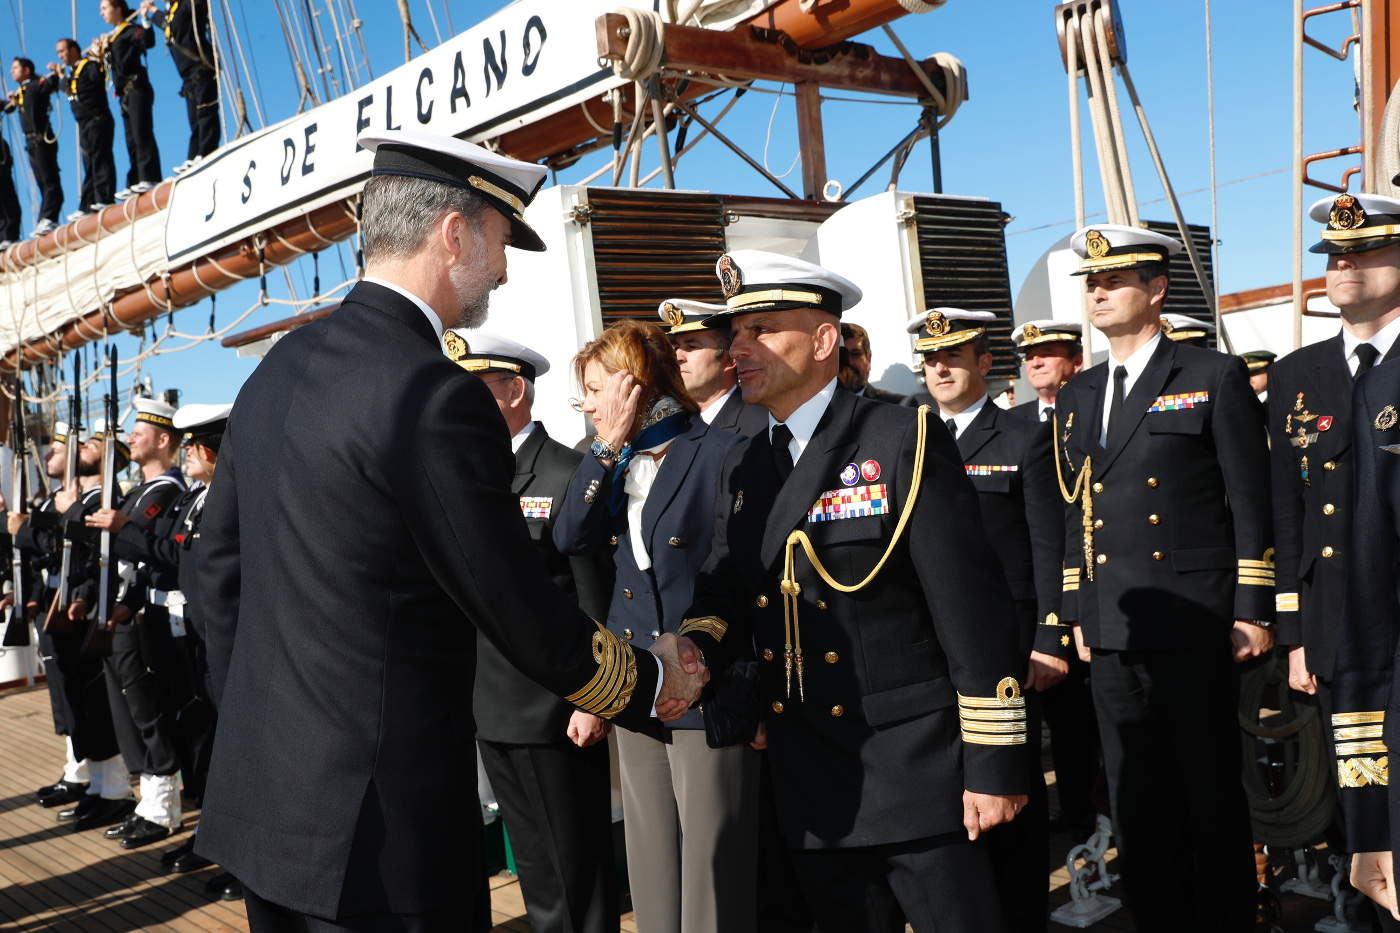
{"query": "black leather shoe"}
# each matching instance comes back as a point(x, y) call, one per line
point(83, 808)
point(125, 826)
point(190, 861)
point(143, 833)
point(225, 887)
point(103, 813)
point(61, 794)
point(170, 856)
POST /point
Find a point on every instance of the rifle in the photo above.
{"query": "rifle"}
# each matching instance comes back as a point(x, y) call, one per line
point(57, 618)
point(99, 639)
point(17, 625)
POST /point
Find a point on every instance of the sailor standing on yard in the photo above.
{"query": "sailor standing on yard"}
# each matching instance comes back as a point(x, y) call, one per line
point(1168, 580)
point(185, 24)
point(848, 553)
point(124, 50)
point(83, 79)
point(32, 100)
point(342, 614)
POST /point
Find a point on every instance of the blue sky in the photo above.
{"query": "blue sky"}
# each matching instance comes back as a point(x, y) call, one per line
point(1009, 142)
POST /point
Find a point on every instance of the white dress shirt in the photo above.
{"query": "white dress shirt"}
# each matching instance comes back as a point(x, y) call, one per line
point(803, 422)
point(963, 419)
point(518, 439)
point(637, 483)
point(1382, 341)
point(428, 312)
point(1135, 364)
point(711, 411)
point(1043, 410)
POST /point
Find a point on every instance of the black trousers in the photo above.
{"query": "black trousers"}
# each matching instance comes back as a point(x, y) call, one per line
point(1020, 850)
point(43, 161)
point(201, 93)
point(137, 101)
point(1068, 708)
point(267, 917)
point(557, 803)
point(942, 883)
point(9, 203)
point(78, 694)
point(95, 138)
point(781, 907)
point(1171, 746)
point(142, 675)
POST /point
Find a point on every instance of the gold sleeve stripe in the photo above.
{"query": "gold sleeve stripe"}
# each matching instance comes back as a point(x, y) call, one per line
point(1256, 581)
point(1345, 749)
point(992, 715)
point(1363, 772)
point(1286, 602)
point(710, 625)
point(610, 689)
point(1068, 572)
point(971, 703)
point(1356, 719)
point(1005, 728)
point(1070, 588)
point(1347, 733)
point(973, 738)
point(1263, 564)
point(1256, 572)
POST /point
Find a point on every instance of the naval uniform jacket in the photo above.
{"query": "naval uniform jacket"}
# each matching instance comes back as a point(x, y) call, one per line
point(511, 707)
point(1365, 716)
point(361, 530)
point(1183, 497)
point(873, 753)
point(677, 520)
point(1010, 464)
point(1310, 392)
point(738, 417)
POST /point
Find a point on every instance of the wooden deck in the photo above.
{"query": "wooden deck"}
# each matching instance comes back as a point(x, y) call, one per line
point(54, 879)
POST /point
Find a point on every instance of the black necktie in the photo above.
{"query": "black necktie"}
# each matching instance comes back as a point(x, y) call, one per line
point(1045, 414)
point(1115, 405)
point(1365, 357)
point(782, 456)
point(952, 427)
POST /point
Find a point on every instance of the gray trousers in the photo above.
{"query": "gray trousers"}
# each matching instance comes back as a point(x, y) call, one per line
point(692, 832)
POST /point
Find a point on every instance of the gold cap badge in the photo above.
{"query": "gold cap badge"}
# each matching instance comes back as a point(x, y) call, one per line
point(936, 324)
point(1166, 326)
point(730, 276)
point(455, 346)
point(1095, 244)
point(1346, 214)
point(1030, 332)
point(672, 314)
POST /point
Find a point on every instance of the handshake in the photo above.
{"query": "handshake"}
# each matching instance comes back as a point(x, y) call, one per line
point(685, 676)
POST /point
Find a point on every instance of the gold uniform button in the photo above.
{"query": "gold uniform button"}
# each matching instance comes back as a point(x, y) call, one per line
point(613, 540)
point(1328, 551)
point(626, 594)
point(831, 657)
point(1098, 487)
point(821, 604)
point(1154, 519)
point(1101, 559)
point(838, 710)
point(627, 634)
point(1329, 509)
point(762, 602)
point(777, 706)
point(1158, 555)
point(1330, 465)
point(1098, 523)
point(767, 654)
point(655, 634)
point(674, 542)
point(1152, 482)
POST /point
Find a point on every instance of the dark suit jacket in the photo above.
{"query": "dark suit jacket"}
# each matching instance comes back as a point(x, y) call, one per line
point(877, 394)
point(361, 530)
point(1310, 389)
point(1367, 705)
point(738, 417)
point(678, 520)
point(1009, 461)
point(872, 753)
point(509, 706)
point(1183, 496)
point(1028, 410)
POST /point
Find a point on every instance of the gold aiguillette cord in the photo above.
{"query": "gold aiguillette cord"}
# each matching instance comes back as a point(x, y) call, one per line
point(1082, 490)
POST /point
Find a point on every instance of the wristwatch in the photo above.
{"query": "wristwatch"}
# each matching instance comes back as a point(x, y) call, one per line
point(601, 449)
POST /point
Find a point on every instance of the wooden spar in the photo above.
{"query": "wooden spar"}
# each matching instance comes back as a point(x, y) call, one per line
point(809, 129)
point(825, 24)
point(104, 223)
point(253, 335)
point(1382, 52)
point(193, 282)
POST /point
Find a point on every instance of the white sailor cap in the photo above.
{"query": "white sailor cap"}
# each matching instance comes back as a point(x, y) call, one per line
point(1116, 246)
point(481, 352)
point(99, 428)
point(202, 423)
point(682, 315)
point(60, 432)
point(1356, 223)
point(154, 411)
point(1046, 330)
point(755, 280)
point(944, 328)
point(1185, 327)
point(507, 184)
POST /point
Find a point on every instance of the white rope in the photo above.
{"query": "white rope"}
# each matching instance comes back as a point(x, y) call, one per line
point(1210, 135)
point(645, 48)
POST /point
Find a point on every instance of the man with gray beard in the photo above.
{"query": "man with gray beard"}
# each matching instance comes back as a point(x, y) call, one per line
point(362, 530)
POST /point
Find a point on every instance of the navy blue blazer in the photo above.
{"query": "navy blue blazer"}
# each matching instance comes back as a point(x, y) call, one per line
point(678, 520)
